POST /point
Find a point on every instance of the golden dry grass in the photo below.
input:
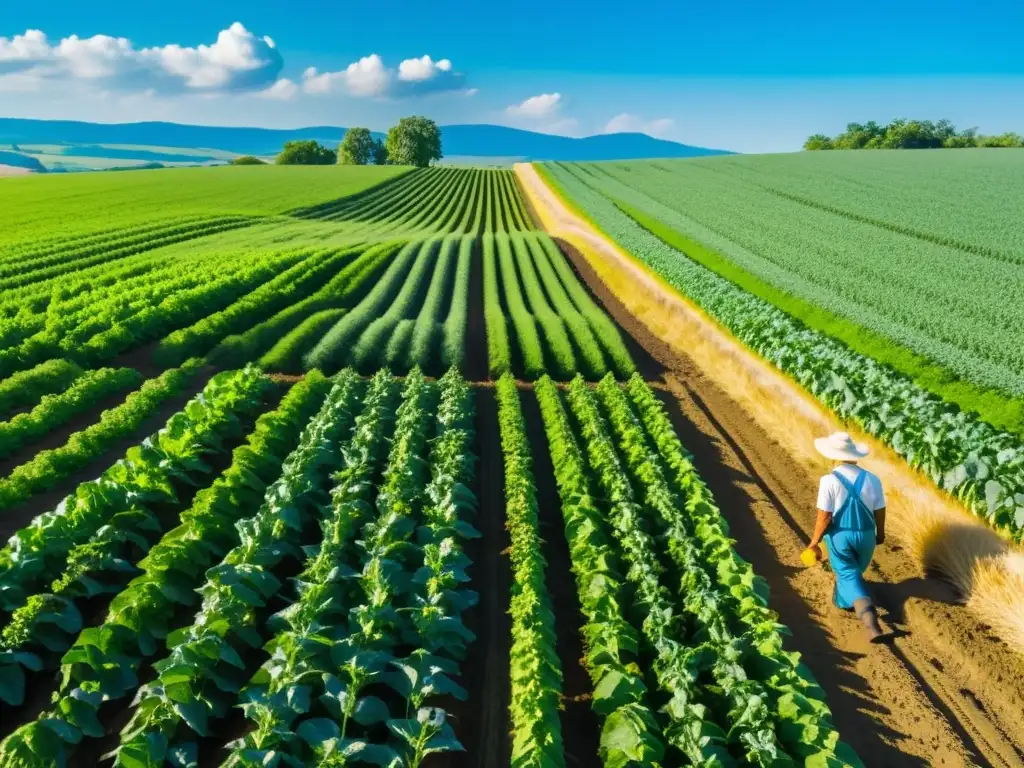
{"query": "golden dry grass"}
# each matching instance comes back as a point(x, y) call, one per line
point(938, 533)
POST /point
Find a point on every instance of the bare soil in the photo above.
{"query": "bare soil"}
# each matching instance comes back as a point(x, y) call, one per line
point(482, 724)
point(946, 692)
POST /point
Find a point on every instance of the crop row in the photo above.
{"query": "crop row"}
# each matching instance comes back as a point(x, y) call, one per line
point(117, 246)
point(357, 662)
point(659, 584)
point(294, 284)
point(274, 336)
point(26, 388)
point(39, 552)
point(79, 397)
point(535, 669)
point(431, 201)
point(532, 296)
point(417, 314)
point(95, 325)
point(51, 466)
point(976, 463)
point(98, 667)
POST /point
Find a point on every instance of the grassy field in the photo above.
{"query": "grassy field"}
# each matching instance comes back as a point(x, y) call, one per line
point(41, 206)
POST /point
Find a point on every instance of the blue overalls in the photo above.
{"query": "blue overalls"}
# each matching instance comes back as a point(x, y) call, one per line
point(851, 543)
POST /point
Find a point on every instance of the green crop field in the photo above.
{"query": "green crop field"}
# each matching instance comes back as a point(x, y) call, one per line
point(310, 466)
point(904, 320)
point(283, 541)
point(246, 527)
point(925, 251)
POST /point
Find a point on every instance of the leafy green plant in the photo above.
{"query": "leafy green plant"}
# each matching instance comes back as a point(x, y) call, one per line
point(499, 349)
point(690, 728)
point(534, 665)
point(362, 600)
point(141, 615)
point(196, 682)
point(121, 499)
point(98, 316)
point(306, 653)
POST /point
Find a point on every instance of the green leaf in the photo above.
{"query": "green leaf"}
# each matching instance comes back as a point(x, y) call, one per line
point(67, 733)
point(12, 684)
point(318, 730)
point(616, 689)
point(195, 714)
point(371, 710)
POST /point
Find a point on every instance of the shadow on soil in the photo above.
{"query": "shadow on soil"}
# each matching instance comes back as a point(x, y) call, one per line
point(858, 715)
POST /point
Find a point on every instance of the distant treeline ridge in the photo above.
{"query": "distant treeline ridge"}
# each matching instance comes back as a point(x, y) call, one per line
point(910, 134)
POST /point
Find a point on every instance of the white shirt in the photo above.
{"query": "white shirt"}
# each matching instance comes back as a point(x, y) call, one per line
point(832, 493)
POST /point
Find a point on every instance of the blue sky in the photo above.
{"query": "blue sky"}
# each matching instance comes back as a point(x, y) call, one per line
point(740, 75)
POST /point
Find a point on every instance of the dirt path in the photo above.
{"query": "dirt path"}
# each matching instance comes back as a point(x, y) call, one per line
point(947, 692)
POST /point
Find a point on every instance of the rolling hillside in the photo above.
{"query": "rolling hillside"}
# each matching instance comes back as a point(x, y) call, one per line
point(479, 141)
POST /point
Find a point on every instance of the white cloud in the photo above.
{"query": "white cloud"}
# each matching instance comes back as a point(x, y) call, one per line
point(237, 61)
point(423, 68)
point(369, 77)
point(32, 46)
point(628, 123)
point(283, 90)
point(537, 107)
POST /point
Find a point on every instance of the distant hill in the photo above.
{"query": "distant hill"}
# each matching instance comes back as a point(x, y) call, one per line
point(18, 160)
point(491, 140)
point(481, 141)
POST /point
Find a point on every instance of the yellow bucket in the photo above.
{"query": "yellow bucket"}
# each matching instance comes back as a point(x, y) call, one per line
point(810, 557)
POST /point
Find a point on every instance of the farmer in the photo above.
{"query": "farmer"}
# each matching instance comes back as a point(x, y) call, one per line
point(851, 520)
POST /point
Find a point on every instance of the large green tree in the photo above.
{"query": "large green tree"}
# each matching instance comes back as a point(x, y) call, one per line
point(414, 141)
point(380, 152)
point(306, 153)
point(356, 148)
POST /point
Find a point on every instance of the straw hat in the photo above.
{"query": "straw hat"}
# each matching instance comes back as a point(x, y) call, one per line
point(840, 447)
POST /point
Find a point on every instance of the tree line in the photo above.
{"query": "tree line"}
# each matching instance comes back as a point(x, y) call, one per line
point(910, 134)
point(414, 141)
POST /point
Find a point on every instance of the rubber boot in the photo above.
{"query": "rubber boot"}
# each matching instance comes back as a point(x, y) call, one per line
point(869, 618)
